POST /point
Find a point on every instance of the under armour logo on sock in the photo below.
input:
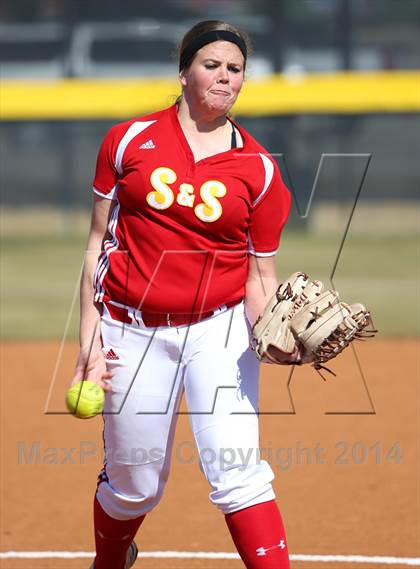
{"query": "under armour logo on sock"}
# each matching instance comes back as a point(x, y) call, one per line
point(264, 550)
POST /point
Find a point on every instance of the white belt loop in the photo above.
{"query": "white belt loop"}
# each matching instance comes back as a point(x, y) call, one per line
point(135, 316)
point(138, 318)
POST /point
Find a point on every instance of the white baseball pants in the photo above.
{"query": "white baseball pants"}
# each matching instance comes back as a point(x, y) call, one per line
point(212, 363)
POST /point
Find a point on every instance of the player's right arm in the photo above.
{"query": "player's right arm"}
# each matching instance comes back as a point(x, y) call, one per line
point(91, 363)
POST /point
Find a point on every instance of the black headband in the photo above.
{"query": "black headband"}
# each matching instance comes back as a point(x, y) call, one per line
point(209, 37)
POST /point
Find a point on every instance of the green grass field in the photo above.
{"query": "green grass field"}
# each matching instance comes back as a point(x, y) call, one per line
point(40, 274)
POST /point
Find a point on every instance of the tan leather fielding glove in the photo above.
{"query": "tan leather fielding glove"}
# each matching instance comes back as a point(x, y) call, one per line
point(301, 314)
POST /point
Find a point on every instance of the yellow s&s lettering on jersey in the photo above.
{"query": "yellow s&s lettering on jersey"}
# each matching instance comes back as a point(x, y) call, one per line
point(163, 196)
point(211, 209)
point(186, 195)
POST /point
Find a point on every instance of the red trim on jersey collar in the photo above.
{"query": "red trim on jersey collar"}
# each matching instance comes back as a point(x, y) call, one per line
point(174, 116)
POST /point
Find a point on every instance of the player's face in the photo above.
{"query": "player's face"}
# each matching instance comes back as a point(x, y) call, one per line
point(215, 77)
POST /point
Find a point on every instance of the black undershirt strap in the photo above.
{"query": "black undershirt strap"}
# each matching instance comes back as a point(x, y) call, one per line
point(233, 143)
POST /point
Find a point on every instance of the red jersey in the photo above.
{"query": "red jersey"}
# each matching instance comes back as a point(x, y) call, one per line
point(180, 231)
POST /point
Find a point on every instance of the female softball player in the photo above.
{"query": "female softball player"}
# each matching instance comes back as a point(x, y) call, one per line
point(188, 210)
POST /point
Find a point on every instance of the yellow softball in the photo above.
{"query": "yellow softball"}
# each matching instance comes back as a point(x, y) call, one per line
point(85, 399)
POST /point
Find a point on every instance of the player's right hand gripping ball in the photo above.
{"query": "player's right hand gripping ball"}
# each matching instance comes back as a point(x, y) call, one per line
point(300, 313)
point(85, 399)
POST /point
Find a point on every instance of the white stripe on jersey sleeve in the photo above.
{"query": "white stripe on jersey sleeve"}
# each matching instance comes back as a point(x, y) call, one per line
point(108, 196)
point(135, 129)
point(269, 172)
point(270, 254)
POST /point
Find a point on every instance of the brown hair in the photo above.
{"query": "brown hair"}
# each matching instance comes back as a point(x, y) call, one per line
point(209, 26)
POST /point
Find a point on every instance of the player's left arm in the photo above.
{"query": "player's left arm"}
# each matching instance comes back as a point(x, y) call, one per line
point(260, 286)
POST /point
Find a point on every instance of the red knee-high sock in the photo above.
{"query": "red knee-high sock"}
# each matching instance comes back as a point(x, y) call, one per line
point(259, 536)
point(112, 538)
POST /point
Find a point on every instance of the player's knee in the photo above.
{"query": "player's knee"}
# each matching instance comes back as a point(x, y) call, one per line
point(134, 493)
point(119, 505)
point(241, 486)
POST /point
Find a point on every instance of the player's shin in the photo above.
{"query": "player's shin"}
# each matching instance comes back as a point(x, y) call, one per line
point(112, 538)
point(259, 536)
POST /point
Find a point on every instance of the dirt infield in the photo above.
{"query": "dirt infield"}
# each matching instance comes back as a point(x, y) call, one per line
point(344, 453)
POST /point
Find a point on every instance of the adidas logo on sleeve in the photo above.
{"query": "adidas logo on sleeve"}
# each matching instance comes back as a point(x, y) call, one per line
point(147, 145)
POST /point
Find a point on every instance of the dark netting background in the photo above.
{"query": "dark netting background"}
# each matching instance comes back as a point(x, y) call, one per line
point(53, 162)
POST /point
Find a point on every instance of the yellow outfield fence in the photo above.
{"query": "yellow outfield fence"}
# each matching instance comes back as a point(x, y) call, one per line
point(344, 92)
